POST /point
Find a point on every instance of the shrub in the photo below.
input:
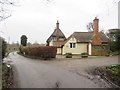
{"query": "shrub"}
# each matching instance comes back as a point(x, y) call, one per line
point(112, 72)
point(3, 46)
point(39, 51)
point(68, 55)
point(84, 55)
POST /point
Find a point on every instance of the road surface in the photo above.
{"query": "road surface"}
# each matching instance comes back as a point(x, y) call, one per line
point(30, 73)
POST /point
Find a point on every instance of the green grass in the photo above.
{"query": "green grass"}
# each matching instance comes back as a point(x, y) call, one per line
point(112, 72)
point(4, 76)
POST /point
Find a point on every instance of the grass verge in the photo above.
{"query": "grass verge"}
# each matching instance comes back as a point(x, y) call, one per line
point(7, 77)
point(111, 72)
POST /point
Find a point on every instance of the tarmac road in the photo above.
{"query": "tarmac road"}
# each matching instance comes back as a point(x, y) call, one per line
point(30, 73)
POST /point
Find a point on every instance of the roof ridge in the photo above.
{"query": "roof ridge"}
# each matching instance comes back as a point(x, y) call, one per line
point(83, 32)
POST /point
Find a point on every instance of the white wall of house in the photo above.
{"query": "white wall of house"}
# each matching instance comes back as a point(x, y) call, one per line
point(59, 50)
point(80, 47)
point(90, 49)
point(51, 43)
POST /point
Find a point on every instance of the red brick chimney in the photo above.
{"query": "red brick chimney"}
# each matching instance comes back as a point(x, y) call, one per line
point(96, 38)
point(96, 26)
point(57, 30)
point(57, 25)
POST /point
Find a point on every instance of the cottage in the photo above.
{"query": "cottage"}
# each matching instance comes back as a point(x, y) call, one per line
point(57, 39)
point(93, 43)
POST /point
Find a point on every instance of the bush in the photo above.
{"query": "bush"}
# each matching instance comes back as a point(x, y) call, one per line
point(3, 46)
point(68, 55)
point(39, 51)
point(112, 72)
point(84, 55)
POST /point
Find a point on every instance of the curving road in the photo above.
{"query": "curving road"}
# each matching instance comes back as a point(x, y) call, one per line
point(30, 73)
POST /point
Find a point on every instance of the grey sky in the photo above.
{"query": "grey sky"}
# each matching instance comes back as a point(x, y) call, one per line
point(37, 19)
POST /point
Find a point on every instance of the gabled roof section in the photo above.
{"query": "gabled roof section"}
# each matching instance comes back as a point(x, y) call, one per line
point(103, 37)
point(58, 43)
point(61, 35)
point(57, 34)
point(83, 36)
point(88, 36)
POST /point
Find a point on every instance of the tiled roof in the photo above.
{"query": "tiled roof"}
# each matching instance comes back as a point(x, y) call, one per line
point(87, 36)
point(81, 37)
point(103, 37)
point(61, 35)
point(58, 43)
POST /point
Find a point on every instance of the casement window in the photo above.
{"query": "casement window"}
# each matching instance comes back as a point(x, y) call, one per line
point(72, 45)
point(54, 38)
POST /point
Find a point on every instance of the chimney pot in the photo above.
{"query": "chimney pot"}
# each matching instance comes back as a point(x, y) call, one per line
point(57, 21)
point(57, 25)
point(95, 17)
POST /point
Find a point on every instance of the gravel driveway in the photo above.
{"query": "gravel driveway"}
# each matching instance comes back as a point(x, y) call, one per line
point(76, 73)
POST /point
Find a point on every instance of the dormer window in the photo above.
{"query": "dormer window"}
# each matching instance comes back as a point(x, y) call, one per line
point(54, 38)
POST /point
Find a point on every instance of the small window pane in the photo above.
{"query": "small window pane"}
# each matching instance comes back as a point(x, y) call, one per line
point(70, 45)
point(74, 45)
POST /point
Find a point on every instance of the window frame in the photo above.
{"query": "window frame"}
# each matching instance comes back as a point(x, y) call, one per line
point(72, 45)
point(54, 38)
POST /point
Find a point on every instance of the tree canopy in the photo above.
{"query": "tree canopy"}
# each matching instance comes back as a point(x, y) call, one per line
point(114, 37)
point(90, 27)
point(24, 40)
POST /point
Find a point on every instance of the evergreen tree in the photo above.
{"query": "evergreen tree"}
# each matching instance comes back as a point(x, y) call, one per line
point(24, 40)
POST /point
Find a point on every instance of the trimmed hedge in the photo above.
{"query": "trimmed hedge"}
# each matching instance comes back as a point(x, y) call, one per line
point(84, 55)
point(68, 55)
point(39, 51)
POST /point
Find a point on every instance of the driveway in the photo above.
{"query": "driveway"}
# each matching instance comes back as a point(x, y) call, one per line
point(76, 73)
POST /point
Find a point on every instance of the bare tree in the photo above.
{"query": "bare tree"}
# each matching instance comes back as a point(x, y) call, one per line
point(4, 12)
point(90, 27)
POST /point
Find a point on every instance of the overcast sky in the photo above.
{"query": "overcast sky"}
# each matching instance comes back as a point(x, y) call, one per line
point(37, 18)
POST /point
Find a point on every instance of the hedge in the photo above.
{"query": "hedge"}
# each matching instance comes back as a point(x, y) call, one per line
point(84, 55)
point(39, 51)
point(68, 55)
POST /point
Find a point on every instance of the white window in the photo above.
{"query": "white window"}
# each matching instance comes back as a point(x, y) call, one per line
point(72, 45)
point(54, 38)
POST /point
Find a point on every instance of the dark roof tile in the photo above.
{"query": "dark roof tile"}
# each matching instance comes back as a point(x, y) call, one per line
point(87, 36)
point(61, 35)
